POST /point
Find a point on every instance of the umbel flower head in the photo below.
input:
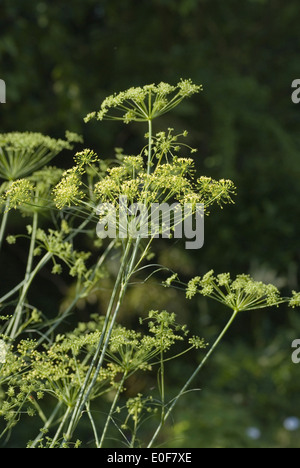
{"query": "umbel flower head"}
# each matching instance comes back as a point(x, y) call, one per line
point(67, 192)
point(241, 294)
point(21, 154)
point(144, 103)
point(19, 193)
point(295, 299)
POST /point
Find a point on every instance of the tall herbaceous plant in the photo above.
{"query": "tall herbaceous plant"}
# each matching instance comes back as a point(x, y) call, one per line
point(123, 207)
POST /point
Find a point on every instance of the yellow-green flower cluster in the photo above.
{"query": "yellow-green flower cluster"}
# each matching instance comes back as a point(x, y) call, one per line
point(144, 103)
point(241, 294)
point(166, 144)
point(67, 192)
point(18, 193)
point(55, 243)
point(87, 157)
point(220, 191)
point(295, 300)
point(23, 153)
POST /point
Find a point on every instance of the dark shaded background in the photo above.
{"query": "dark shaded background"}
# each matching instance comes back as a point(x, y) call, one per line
point(60, 59)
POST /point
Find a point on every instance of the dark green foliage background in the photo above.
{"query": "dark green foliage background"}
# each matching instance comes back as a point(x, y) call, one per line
point(61, 58)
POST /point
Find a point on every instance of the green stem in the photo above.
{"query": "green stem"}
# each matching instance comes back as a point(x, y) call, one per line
point(162, 381)
point(121, 286)
point(38, 409)
point(88, 410)
point(17, 317)
point(12, 292)
point(98, 356)
point(32, 245)
point(46, 425)
point(26, 284)
point(3, 223)
point(13, 324)
point(60, 427)
point(112, 409)
point(149, 146)
point(63, 315)
point(195, 373)
point(134, 432)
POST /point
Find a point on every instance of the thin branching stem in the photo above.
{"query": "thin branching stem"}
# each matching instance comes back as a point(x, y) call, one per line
point(4, 223)
point(112, 409)
point(192, 378)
